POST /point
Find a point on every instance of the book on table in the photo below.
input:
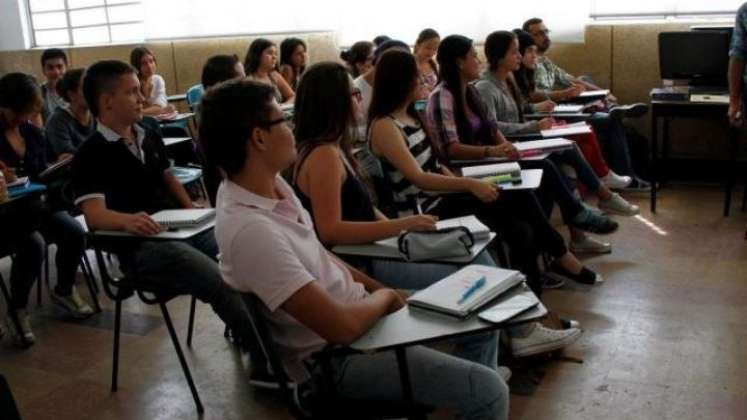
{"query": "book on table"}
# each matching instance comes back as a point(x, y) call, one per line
point(464, 292)
point(498, 172)
point(20, 182)
point(183, 218)
point(544, 146)
point(589, 94)
point(567, 109)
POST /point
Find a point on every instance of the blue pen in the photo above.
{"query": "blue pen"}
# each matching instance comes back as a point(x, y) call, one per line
point(477, 285)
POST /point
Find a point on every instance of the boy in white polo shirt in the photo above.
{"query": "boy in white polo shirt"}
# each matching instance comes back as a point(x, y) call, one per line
point(268, 247)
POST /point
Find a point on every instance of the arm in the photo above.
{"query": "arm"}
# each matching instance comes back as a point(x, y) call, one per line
point(287, 72)
point(288, 95)
point(737, 54)
point(177, 190)
point(59, 138)
point(322, 175)
point(160, 104)
point(370, 284)
point(99, 217)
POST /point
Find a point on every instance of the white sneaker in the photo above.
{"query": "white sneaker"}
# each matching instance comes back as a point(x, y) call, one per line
point(615, 181)
point(73, 303)
point(618, 205)
point(543, 340)
point(589, 245)
point(25, 333)
point(505, 373)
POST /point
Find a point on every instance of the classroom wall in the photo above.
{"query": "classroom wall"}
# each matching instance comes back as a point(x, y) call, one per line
point(622, 57)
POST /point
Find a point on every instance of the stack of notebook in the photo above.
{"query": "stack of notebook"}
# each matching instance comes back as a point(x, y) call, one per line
point(544, 146)
point(183, 218)
point(498, 173)
point(467, 290)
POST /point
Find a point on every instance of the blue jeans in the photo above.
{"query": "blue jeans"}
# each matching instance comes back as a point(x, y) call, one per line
point(577, 161)
point(615, 142)
point(416, 276)
point(26, 266)
point(62, 229)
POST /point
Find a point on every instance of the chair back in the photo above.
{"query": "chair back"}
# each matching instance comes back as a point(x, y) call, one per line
point(194, 95)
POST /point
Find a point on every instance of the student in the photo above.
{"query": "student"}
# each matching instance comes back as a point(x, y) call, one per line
point(220, 68)
point(524, 79)
point(463, 129)
point(69, 125)
point(397, 136)
point(121, 176)
point(500, 95)
point(54, 65)
point(329, 185)
point(23, 147)
point(364, 82)
point(293, 58)
point(20, 100)
point(380, 39)
point(359, 57)
point(312, 298)
point(152, 85)
point(261, 64)
point(425, 50)
point(549, 78)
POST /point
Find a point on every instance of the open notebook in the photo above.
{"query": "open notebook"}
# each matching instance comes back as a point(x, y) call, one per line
point(567, 109)
point(500, 172)
point(548, 145)
point(458, 295)
point(181, 218)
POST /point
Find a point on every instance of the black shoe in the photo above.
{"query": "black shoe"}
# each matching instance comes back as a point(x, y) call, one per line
point(636, 110)
point(586, 276)
point(551, 282)
point(262, 377)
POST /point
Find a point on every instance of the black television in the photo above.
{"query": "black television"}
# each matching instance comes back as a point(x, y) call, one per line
point(702, 57)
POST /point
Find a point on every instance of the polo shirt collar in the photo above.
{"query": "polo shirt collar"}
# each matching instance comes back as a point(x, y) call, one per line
point(112, 136)
point(247, 198)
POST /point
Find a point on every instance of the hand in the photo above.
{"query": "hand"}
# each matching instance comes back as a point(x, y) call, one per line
point(612, 99)
point(573, 91)
point(169, 109)
point(486, 192)
point(508, 150)
point(419, 223)
point(8, 173)
point(735, 114)
point(141, 224)
point(545, 106)
point(404, 293)
point(396, 301)
point(545, 123)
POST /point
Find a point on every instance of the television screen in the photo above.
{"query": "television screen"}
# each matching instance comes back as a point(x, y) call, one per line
point(699, 56)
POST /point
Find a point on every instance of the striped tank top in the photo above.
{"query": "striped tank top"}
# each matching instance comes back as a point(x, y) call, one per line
point(408, 198)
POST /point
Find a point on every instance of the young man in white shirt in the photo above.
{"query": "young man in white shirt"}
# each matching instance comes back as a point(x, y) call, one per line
point(269, 248)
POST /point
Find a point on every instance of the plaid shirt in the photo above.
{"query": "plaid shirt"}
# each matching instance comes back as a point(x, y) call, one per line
point(739, 39)
point(548, 76)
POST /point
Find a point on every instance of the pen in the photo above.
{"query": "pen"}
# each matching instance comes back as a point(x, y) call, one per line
point(477, 285)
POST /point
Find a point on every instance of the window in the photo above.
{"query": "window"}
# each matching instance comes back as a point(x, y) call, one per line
point(662, 9)
point(81, 22)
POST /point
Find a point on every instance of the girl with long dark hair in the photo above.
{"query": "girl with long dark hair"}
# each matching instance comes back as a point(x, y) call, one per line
point(261, 65)
point(293, 58)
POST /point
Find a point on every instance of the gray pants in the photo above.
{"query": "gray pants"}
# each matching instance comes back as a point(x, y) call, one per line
point(466, 381)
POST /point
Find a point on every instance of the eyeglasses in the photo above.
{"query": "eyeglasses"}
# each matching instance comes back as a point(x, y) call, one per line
point(284, 119)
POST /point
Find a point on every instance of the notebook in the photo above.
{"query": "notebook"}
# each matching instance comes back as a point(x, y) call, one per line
point(511, 171)
point(567, 109)
point(183, 217)
point(19, 182)
point(449, 295)
point(472, 223)
point(594, 93)
point(509, 306)
point(548, 145)
point(567, 130)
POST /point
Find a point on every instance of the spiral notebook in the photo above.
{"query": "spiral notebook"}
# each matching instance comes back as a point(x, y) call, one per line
point(182, 218)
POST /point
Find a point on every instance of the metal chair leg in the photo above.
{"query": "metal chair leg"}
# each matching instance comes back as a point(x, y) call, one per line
point(39, 283)
point(115, 356)
point(182, 360)
point(191, 326)
point(11, 313)
point(87, 266)
point(88, 275)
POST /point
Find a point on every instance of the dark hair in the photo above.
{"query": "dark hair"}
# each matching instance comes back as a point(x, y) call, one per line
point(287, 48)
point(497, 45)
point(228, 114)
point(136, 57)
point(70, 82)
point(19, 93)
point(323, 111)
point(395, 77)
point(524, 77)
point(358, 53)
point(103, 77)
point(380, 40)
point(388, 45)
point(53, 53)
point(452, 48)
point(426, 35)
point(219, 68)
point(254, 54)
point(530, 22)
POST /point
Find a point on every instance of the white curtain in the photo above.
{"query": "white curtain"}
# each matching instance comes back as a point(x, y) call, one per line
point(360, 20)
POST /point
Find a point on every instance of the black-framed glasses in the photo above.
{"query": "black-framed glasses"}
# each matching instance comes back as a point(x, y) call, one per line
point(284, 119)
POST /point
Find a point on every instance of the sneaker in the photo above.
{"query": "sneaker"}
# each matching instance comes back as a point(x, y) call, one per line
point(505, 373)
point(264, 378)
point(543, 340)
point(635, 110)
point(618, 205)
point(638, 185)
point(552, 282)
point(72, 303)
point(586, 276)
point(589, 245)
point(615, 181)
point(570, 323)
point(590, 221)
point(26, 334)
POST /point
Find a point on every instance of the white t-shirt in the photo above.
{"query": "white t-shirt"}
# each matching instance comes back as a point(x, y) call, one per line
point(158, 93)
point(269, 247)
point(366, 93)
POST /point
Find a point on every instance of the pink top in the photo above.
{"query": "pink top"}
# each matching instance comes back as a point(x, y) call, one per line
point(269, 247)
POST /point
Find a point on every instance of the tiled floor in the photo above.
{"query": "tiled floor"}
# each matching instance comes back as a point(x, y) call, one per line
point(665, 338)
